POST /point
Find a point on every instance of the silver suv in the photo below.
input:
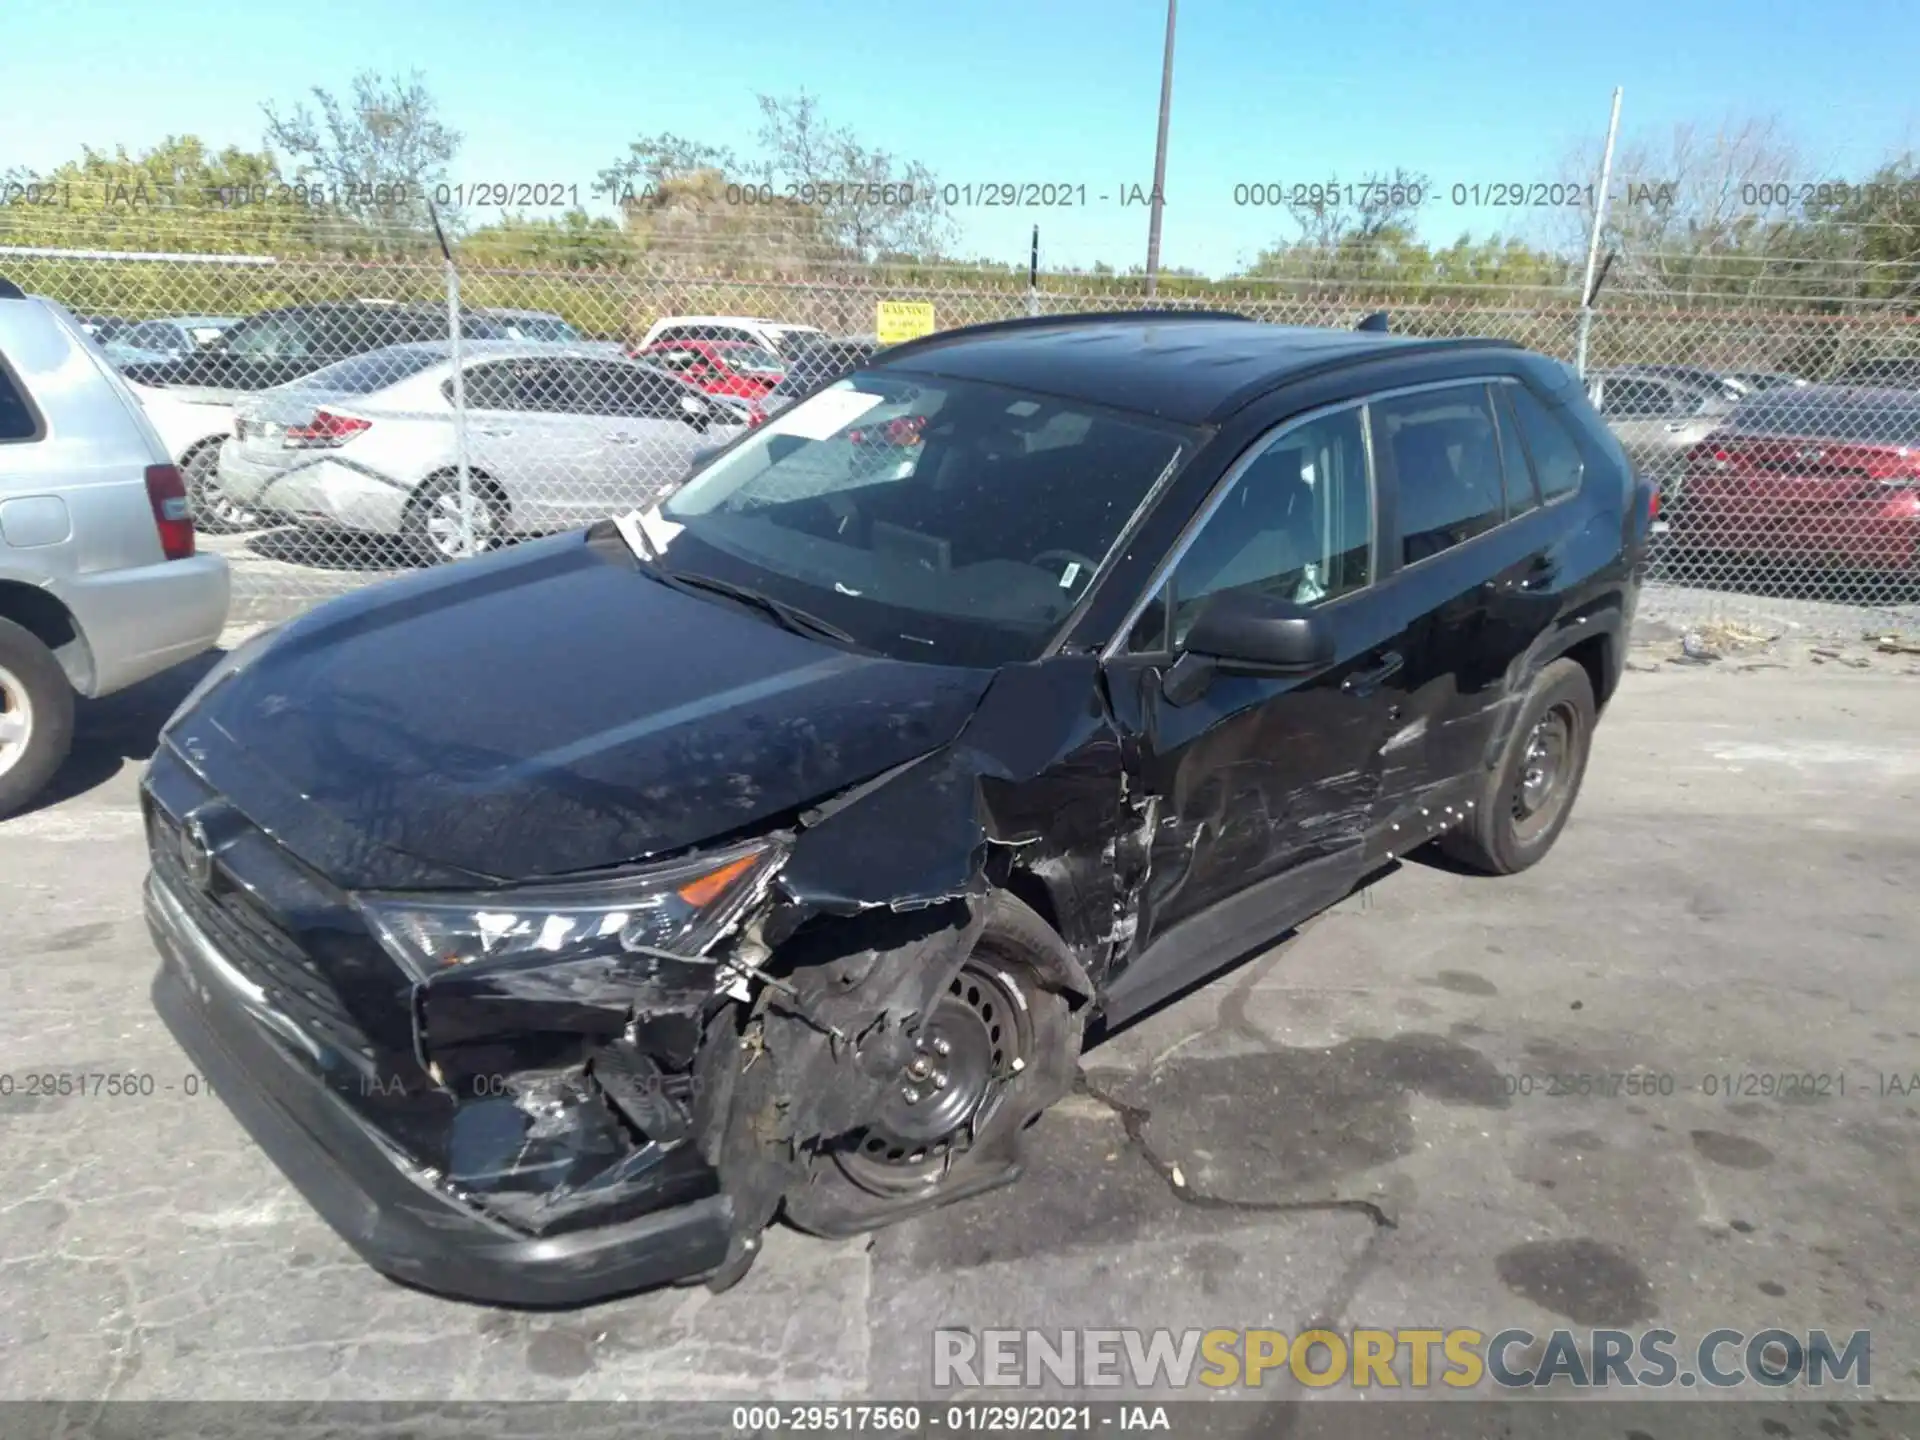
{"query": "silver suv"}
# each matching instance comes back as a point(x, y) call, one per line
point(100, 585)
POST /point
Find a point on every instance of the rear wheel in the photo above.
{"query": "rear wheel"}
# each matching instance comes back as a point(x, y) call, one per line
point(434, 528)
point(1527, 798)
point(214, 511)
point(995, 1050)
point(36, 716)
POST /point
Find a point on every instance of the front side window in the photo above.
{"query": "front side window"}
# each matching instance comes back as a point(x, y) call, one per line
point(608, 387)
point(517, 385)
point(1446, 459)
point(1296, 523)
point(918, 514)
point(745, 359)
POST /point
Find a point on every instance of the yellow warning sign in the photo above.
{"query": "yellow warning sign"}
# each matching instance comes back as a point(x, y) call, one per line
point(898, 320)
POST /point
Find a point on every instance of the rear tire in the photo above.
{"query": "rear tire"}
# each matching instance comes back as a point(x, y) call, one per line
point(1012, 1048)
point(212, 510)
point(36, 716)
point(1527, 797)
point(430, 528)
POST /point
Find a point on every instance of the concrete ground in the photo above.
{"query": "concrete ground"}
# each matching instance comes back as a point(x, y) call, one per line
point(1355, 1128)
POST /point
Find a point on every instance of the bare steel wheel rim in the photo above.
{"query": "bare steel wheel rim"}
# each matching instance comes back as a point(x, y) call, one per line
point(444, 530)
point(16, 719)
point(977, 1037)
point(1546, 770)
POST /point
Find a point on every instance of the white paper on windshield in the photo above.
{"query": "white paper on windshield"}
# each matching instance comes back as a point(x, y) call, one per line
point(824, 416)
point(657, 528)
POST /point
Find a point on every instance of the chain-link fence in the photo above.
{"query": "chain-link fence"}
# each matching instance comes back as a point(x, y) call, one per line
point(335, 425)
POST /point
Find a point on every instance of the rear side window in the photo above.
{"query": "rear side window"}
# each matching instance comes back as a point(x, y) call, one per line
point(18, 419)
point(1446, 455)
point(1514, 469)
point(1556, 455)
point(364, 374)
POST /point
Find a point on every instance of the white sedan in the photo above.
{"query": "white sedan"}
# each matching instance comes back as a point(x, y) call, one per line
point(556, 436)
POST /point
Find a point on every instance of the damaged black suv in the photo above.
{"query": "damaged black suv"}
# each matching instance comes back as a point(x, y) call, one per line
point(559, 919)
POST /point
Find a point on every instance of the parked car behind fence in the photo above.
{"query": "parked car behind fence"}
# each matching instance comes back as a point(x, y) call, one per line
point(719, 367)
point(1809, 479)
point(818, 363)
point(557, 436)
point(1658, 418)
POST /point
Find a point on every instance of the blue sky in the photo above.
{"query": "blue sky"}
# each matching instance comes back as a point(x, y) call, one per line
point(991, 90)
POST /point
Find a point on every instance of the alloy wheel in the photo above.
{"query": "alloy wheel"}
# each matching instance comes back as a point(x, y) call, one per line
point(445, 533)
point(16, 719)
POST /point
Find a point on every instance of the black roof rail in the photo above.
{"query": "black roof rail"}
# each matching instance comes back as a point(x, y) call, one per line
point(10, 291)
point(1036, 322)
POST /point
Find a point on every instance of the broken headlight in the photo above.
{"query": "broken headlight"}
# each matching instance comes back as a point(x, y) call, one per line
point(680, 907)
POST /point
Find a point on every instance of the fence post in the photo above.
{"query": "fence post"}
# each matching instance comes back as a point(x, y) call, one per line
point(1033, 274)
point(459, 386)
point(1593, 242)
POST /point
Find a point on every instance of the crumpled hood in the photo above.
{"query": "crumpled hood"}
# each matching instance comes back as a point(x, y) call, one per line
point(546, 711)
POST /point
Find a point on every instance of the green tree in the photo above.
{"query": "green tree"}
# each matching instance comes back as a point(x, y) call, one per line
point(377, 156)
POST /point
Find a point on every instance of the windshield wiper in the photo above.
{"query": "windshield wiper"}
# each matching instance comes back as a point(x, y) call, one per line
point(790, 617)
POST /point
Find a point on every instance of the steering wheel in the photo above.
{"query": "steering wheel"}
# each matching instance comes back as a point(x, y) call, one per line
point(1087, 567)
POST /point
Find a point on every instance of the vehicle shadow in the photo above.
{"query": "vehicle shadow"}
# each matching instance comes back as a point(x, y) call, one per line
point(120, 728)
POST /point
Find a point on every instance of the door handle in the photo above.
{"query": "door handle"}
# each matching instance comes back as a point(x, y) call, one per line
point(1365, 682)
point(1540, 572)
point(492, 430)
point(622, 438)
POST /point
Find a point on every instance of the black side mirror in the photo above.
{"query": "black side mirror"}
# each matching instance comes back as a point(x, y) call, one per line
point(697, 411)
point(1241, 630)
point(1264, 632)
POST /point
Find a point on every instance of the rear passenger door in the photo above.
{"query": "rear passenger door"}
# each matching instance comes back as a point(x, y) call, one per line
point(1478, 570)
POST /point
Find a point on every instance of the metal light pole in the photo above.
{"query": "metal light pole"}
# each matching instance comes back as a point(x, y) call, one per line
point(1160, 158)
point(1593, 242)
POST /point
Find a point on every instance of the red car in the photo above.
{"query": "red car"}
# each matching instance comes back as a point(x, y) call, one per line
point(719, 367)
point(1821, 475)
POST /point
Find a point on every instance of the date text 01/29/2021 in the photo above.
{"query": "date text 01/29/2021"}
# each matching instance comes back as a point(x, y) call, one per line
point(1720, 1085)
point(988, 1419)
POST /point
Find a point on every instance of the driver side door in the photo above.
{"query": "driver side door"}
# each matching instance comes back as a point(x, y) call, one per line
point(1261, 789)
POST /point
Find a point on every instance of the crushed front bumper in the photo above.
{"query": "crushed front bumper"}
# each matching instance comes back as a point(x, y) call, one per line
point(388, 1210)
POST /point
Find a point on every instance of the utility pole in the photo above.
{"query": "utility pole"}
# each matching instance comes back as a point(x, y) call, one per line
point(1160, 158)
point(1593, 243)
